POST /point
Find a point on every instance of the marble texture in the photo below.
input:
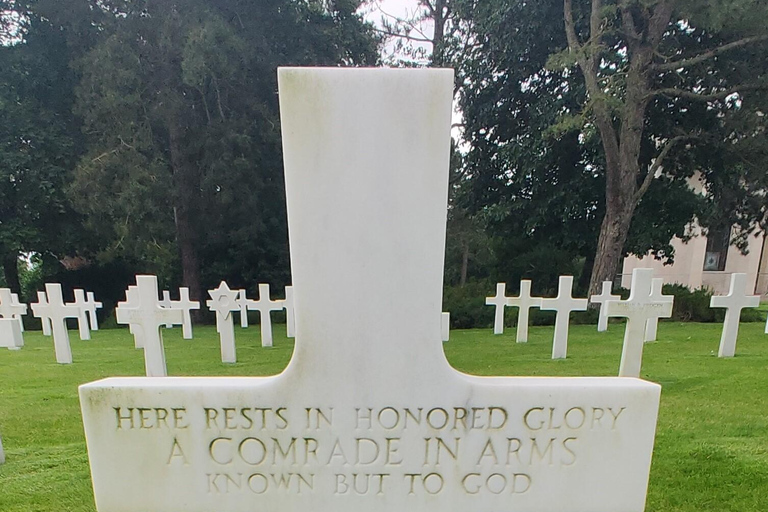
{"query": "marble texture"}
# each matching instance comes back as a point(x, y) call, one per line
point(91, 305)
point(56, 312)
point(45, 321)
point(445, 326)
point(290, 314)
point(524, 302)
point(604, 296)
point(640, 306)
point(82, 317)
point(265, 305)
point(734, 302)
point(563, 304)
point(652, 325)
point(10, 334)
point(368, 415)
point(10, 307)
point(223, 302)
point(498, 301)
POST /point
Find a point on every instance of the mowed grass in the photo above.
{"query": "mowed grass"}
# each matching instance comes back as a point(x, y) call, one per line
point(711, 449)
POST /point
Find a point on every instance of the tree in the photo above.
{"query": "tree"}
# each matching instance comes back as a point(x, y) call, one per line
point(657, 85)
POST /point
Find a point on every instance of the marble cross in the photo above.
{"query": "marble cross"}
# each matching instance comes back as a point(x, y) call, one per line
point(132, 301)
point(10, 334)
point(265, 306)
point(637, 309)
point(166, 303)
point(91, 305)
point(369, 415)
point(524, 302)
point(82, 317)
point(652, 326)
point(146, 313)
point(223, 302)
point(499, 301)
point(445, 326)
point(57, 312)
point(242, 302)
point(564, 303)
point(605, 296)
point(10, 307)
point(290, 313)
point(185, 305)
point(734, 302)
point(45, 321)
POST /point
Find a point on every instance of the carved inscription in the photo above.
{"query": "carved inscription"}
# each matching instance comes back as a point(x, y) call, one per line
point(479, 450)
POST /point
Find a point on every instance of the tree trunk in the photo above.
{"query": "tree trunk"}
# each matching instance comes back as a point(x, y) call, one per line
point(464, 264)
point(11, 271)
point(185, 232)
point(610, 245)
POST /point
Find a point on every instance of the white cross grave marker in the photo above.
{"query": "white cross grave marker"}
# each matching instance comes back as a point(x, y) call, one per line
point(734, 302)
point(265, 306)
point(564, 303)
point(132, 301)
point(44, 321)
point(605, 296)
point(242, 302)
point(57, 312)
point(186, 306)
point(499, 301)
point(369, 405)
point(652, 326)
point(445, 326)
point(524, 302)
point(166, 303)
point(145, 312)
point(290, 313)
point(637, 309)
point(10, 334)
point(82, 316)
point(224, 301)
point(10, 307)
point(91, 305)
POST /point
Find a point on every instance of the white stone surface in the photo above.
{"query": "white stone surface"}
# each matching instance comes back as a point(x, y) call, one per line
point(45, 321)
point(734, 302)
point(91, 305)
point(368, 415)
point(265, 305)
point(82, 315)
point(524, 302)
point(10, 334)
point(445, 326)
point(146, 313)
point(290, 313)
point(652, 325)
point(563, 304)
point(605, 296)
point(132, 301)
point(223, 302)
point(637, 309)
point(57, 312)
point(2, 451)
point(165, 302)
point(499, 301)
point(10, 307)
point(185, 305)
point(242, 301)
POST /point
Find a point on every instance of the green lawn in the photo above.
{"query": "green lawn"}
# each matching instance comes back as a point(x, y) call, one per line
point(711, 448)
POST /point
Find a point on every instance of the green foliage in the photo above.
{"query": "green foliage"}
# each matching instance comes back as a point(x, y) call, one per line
point(693, 306)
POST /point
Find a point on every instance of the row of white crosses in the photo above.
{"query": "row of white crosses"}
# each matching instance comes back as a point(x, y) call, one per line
point(224, 301)
point(11, 324)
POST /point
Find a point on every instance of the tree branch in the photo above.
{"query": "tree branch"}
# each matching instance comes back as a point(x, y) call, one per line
point(669, 66)
point(672, 92)
point(402, 36)
point(570, 27)
point(628, 22)
point(658, 23)
point(657, 163)
point(594, 21)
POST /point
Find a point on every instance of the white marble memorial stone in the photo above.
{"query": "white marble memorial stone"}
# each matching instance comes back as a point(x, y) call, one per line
point(605, 296)
point(223, 302)
point(146, 313)
point(734, 302)
point(10, 334)
point(91, 305)
point(265, 306)
point(368, 415)
point(186, 306)
point(290, 313)
point(166, 303)
point(637, 309)
point(242, 302)
point(57, 312)
point(10, 307)
point(564, 303)
point(499, 301)
point(445, 326)
point(44, 321)
point(82, 316)
point(524, 302)
point(132, 301)
point(652, 325)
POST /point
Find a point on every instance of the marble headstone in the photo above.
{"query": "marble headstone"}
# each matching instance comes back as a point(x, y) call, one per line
point(91, 305)
point(368, 415)
point(290, 314)
point(265, 305)
point(734, 302)
point(44, 321)
point(563, 304)
point(524, 302)
point(10, 307)
point(82, 316)
point(56, 312)
point(223, 302)
point(652, 325)
point(242, 302)
point(605, 296)
point(445, 326)
point(498, 301)
point(10, 334)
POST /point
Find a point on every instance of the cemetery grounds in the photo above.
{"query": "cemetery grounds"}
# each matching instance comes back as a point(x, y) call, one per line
point(711, 451)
